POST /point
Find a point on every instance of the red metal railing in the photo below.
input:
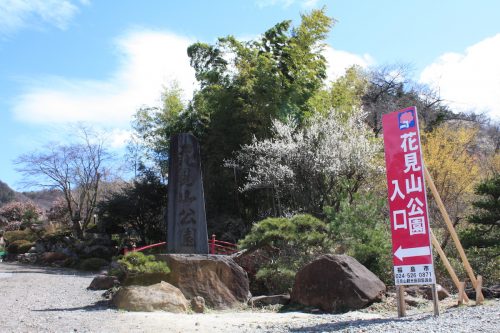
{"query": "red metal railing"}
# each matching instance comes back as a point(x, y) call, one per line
point(214, 247)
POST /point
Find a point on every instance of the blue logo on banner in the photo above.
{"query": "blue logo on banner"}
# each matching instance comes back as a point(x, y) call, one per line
point(406, 119)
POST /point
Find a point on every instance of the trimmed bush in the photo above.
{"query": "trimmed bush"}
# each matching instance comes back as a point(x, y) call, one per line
point(361, 230)
point(138, 262)
point(27, 234)
point(298, 239)
point(19, 246)
point(136, 268)
point(93, 264)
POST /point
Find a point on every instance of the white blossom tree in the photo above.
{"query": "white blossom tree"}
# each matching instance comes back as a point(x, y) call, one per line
point(312, 167)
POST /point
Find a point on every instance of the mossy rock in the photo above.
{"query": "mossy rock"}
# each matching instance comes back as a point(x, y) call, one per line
point(26, 235)
point(19, 246)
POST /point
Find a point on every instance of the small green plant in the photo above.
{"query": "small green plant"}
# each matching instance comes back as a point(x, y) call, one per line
point(93, 264)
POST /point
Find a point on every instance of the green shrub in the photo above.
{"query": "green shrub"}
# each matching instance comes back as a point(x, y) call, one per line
point(93, 264)
point(19, 246)
point(136, 268)
point(298, 240)
point(360, 229)
point(138, 262)
point(27, 234)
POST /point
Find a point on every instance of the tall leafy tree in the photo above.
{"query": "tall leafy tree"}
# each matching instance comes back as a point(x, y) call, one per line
point(244, 86)
point(139, 206)
point(449, 156)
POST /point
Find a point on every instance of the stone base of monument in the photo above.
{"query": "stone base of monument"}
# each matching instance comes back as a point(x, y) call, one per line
point(218, 279)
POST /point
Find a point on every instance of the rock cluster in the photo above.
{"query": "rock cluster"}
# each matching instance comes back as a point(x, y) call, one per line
point(65, 250)
point(206, 280)
point(218, 279)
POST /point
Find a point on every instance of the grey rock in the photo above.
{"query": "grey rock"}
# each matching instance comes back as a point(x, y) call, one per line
point(103, 282)
point(198, 304)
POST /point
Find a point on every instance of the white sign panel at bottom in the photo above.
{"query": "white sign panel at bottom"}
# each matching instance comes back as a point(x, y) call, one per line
point(414, 274)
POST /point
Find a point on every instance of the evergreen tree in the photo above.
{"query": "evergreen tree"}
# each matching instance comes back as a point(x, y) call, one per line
point(482, 239)
point(485, 231)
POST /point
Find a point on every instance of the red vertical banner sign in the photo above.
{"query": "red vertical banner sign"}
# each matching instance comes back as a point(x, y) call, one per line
point(411, 244)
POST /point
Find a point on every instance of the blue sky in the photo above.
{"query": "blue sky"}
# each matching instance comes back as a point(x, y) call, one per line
point(97, 61)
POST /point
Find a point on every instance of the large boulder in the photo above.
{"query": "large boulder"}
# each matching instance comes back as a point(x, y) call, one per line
point(336, 283)
point(158, 297)
point(218, 279)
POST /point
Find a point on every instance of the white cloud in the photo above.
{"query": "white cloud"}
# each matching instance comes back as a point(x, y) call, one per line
point(118, 138)
point(469, 80)
point(339, 61)
point(286, 3)
point(150, 60)
point(17, 14)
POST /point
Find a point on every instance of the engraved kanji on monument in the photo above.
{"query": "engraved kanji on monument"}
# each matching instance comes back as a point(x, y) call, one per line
point(186, 220)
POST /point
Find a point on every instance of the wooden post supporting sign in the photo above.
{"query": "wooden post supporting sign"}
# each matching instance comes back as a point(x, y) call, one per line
point(461, 293)
point(400, 300)
point(447, 264)
point(452, 232)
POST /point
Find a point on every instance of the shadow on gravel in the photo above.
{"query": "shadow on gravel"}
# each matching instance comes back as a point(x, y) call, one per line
point(360, 323)
point(97, 306)
point(16, 268)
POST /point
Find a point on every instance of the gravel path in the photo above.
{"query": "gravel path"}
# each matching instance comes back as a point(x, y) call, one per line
point(36, 299)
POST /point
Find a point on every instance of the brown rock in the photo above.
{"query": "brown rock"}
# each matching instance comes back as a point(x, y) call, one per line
point(162, 296)
point(103, 282)
point(198, 304)
point(218, 279)
point(336, 283)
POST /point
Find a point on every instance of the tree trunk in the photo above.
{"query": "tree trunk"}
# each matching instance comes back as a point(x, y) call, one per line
point(77, 229)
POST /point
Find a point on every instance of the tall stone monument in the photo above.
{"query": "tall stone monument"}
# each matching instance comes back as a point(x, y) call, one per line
point(186, 220)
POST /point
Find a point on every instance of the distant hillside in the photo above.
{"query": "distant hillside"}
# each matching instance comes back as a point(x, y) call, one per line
point(6, 193)
point(43, 198)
